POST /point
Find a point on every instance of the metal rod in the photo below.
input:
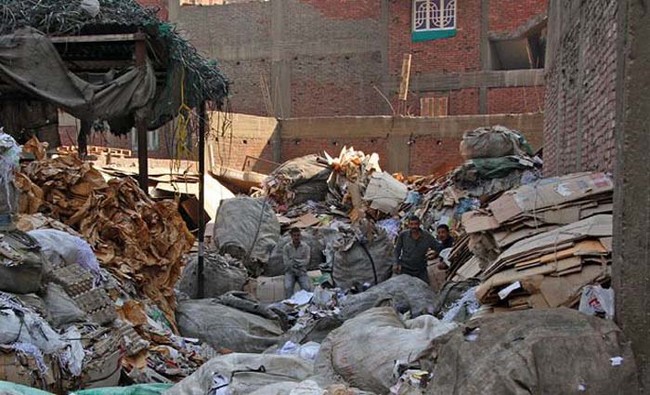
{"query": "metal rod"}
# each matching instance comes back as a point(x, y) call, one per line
point(141, 125)
point(201, 216)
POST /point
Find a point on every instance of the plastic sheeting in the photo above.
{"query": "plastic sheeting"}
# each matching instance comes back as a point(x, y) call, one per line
point(29, 60)
point(365, 349)
point(406, 292)
point(245, 373)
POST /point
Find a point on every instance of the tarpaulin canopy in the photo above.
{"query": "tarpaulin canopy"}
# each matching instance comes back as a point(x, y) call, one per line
point(30, 62)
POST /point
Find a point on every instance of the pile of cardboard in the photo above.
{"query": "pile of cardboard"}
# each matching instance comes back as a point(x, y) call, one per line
point(540, 244)
point(140, 246)
point(550, 269)
point(139, 241)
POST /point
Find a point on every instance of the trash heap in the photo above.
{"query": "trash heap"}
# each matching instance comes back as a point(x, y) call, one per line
point(88, 271)
point(497, 159)
point(540, 245)
point(139, 241)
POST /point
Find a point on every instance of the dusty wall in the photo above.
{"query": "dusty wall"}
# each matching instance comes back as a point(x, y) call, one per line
point(631, 266)
point(581, 98)
point(414, 145)
point(305, 58)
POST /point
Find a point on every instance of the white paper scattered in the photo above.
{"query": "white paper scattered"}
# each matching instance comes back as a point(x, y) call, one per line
point(473, 335)
point(300, 298)
point(508, 290)
point(563, 190)
point(616, 361)
point(582, 388)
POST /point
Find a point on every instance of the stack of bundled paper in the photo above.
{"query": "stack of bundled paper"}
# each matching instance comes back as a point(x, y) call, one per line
point(550, 269)
point(539, 244)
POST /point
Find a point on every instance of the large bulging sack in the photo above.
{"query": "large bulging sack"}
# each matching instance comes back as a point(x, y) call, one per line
point(300, 180)
point(363, 351)
point(220, 274)
point(493, 142)
point(406, 292)
point(555, 351)
point(224, 327)
point(21, 263)
point(61, 248)
point(246, 228)
point(242, 374)
point(370, 262)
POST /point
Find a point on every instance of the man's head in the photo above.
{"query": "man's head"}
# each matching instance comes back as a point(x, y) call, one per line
point(443, 232)
point(414, 223)
point(295, 235)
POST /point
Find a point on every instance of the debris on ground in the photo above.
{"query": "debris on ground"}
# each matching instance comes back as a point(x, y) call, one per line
point(110, 276)
point(366, 358)
point(553, 351)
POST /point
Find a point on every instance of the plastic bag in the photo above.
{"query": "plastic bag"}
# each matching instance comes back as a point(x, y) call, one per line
point(91, 7)
point(597, 301)
point(9, 158)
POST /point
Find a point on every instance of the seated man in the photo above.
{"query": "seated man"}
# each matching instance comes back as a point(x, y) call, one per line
point(295, 256)
point(411, 250)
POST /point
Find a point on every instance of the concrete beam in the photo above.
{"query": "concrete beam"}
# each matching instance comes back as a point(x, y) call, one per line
point(476, 79)
point(387, 126)
point(252, 50)
point(631, 266)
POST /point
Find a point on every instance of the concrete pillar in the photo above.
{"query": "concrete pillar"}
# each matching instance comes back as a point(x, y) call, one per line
point(631, 277)
point(485, 54)
point(280, 64)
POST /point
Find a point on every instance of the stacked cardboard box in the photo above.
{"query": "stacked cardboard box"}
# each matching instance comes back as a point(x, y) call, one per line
point(540, 244)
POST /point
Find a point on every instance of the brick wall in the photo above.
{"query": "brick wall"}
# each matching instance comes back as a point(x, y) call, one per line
point(312, 60)
point(347, 9)
point(161, 5)
point(302, 58)
point(507, 15)
point(516, 99)
point(430, 145)
point(580, 106)
point(293, 148)
point(457, 54)
point(434, 155)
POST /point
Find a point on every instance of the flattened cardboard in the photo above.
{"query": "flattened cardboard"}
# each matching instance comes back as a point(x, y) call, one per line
point(549, 192)
point(475, 222)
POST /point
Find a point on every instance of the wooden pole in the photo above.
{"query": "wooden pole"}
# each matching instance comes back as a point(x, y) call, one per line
point(141, 122)
point(201, 216)
point(404, 83)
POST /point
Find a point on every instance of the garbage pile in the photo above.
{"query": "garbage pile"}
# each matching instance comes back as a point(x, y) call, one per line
point(521, 243)
point(538, 246)
point(497, 160)
point(87, 273)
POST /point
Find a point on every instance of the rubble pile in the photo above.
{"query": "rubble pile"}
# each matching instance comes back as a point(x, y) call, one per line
point(106, 259)
point(444, 199)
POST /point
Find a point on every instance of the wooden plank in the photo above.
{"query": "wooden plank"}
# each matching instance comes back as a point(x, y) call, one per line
point(405, 77)
point(97, 38)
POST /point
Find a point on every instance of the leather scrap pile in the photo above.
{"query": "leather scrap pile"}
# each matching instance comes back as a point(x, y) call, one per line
point(541, 244)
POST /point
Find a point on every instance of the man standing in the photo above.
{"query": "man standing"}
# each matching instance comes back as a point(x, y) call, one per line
point(295, 256)
point(411, 250)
